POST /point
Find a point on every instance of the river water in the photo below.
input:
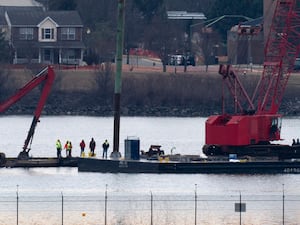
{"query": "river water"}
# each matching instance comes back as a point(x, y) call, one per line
point(173, 194)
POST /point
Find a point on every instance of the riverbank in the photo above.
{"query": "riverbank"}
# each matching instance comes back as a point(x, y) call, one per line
point(149, 93)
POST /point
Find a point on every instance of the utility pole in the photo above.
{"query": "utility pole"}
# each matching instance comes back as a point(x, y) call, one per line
point(118, 78)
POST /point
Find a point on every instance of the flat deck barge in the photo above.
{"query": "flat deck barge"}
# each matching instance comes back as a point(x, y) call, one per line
point(160, 167)
point(40, 162)
point(210, 167)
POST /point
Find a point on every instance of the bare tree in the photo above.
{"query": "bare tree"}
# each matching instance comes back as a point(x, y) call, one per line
point(104, 79)
point(208, 42)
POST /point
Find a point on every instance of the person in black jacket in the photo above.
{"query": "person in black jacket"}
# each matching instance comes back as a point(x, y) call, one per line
point(105, 147)
point(92, 146)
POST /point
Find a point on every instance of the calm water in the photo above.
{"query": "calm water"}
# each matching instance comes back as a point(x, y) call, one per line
point(185, 134)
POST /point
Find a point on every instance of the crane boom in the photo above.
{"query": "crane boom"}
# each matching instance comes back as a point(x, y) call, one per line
point(241, 98)
point(281, 50)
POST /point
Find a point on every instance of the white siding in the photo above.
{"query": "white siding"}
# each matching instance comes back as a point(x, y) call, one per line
point(47, 24)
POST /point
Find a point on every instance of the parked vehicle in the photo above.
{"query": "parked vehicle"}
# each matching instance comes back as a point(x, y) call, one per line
point(179, 60)
point(297, 64)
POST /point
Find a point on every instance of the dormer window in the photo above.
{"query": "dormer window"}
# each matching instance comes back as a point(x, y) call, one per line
point(47, 33)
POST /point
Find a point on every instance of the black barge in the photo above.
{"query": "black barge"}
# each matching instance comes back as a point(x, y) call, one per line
point(39, 162)
point(208, 167)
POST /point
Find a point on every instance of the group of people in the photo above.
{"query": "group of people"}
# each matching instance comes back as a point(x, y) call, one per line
point(68, 147)
point(92, 146)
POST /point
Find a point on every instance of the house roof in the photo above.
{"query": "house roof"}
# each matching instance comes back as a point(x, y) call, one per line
point(34, 17)
point(4, 9)
point(253, 23)
point(19, 3)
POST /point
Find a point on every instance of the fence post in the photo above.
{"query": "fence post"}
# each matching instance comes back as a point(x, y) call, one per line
point(17, 204)
point(151, 199)
point(62, 209)
point(105, 205)
point(283, 204)
point(196, 204)
point(240, 208)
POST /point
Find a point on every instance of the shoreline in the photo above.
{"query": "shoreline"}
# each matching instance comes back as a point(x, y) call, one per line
point(155, 94)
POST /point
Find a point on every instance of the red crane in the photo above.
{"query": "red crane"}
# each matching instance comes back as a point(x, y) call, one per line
point(257, 123)
point(47, 76)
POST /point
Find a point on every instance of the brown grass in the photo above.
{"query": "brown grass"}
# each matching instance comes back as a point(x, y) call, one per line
point(142, 89)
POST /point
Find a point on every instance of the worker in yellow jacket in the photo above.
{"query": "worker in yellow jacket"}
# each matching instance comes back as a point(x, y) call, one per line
point(58, 149)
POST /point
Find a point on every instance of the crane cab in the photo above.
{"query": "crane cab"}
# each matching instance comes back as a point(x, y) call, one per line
point(241, 130)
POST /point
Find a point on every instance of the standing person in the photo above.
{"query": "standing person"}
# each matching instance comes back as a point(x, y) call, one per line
point(66, 147)
point(58, 149)
point(92, 146)
point(70, 148)
point(82, 147)
point(105, 147)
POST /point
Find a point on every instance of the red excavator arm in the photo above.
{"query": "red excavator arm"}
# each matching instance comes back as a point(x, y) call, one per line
point(46, 75)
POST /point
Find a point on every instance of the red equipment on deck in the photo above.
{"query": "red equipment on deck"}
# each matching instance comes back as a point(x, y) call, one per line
point(46, 75)
point(257, 121)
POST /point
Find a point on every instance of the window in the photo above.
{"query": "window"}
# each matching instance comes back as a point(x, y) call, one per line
point(48, 33)
point(68, 33)
point(26, 33)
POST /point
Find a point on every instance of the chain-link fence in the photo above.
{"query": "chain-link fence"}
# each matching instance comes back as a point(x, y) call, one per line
point(150, 209)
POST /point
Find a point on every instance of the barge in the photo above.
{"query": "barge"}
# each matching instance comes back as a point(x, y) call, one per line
point(39, 162)
point(154, 161)
point(287, 160)
point(193, 167)
point(186, 166)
